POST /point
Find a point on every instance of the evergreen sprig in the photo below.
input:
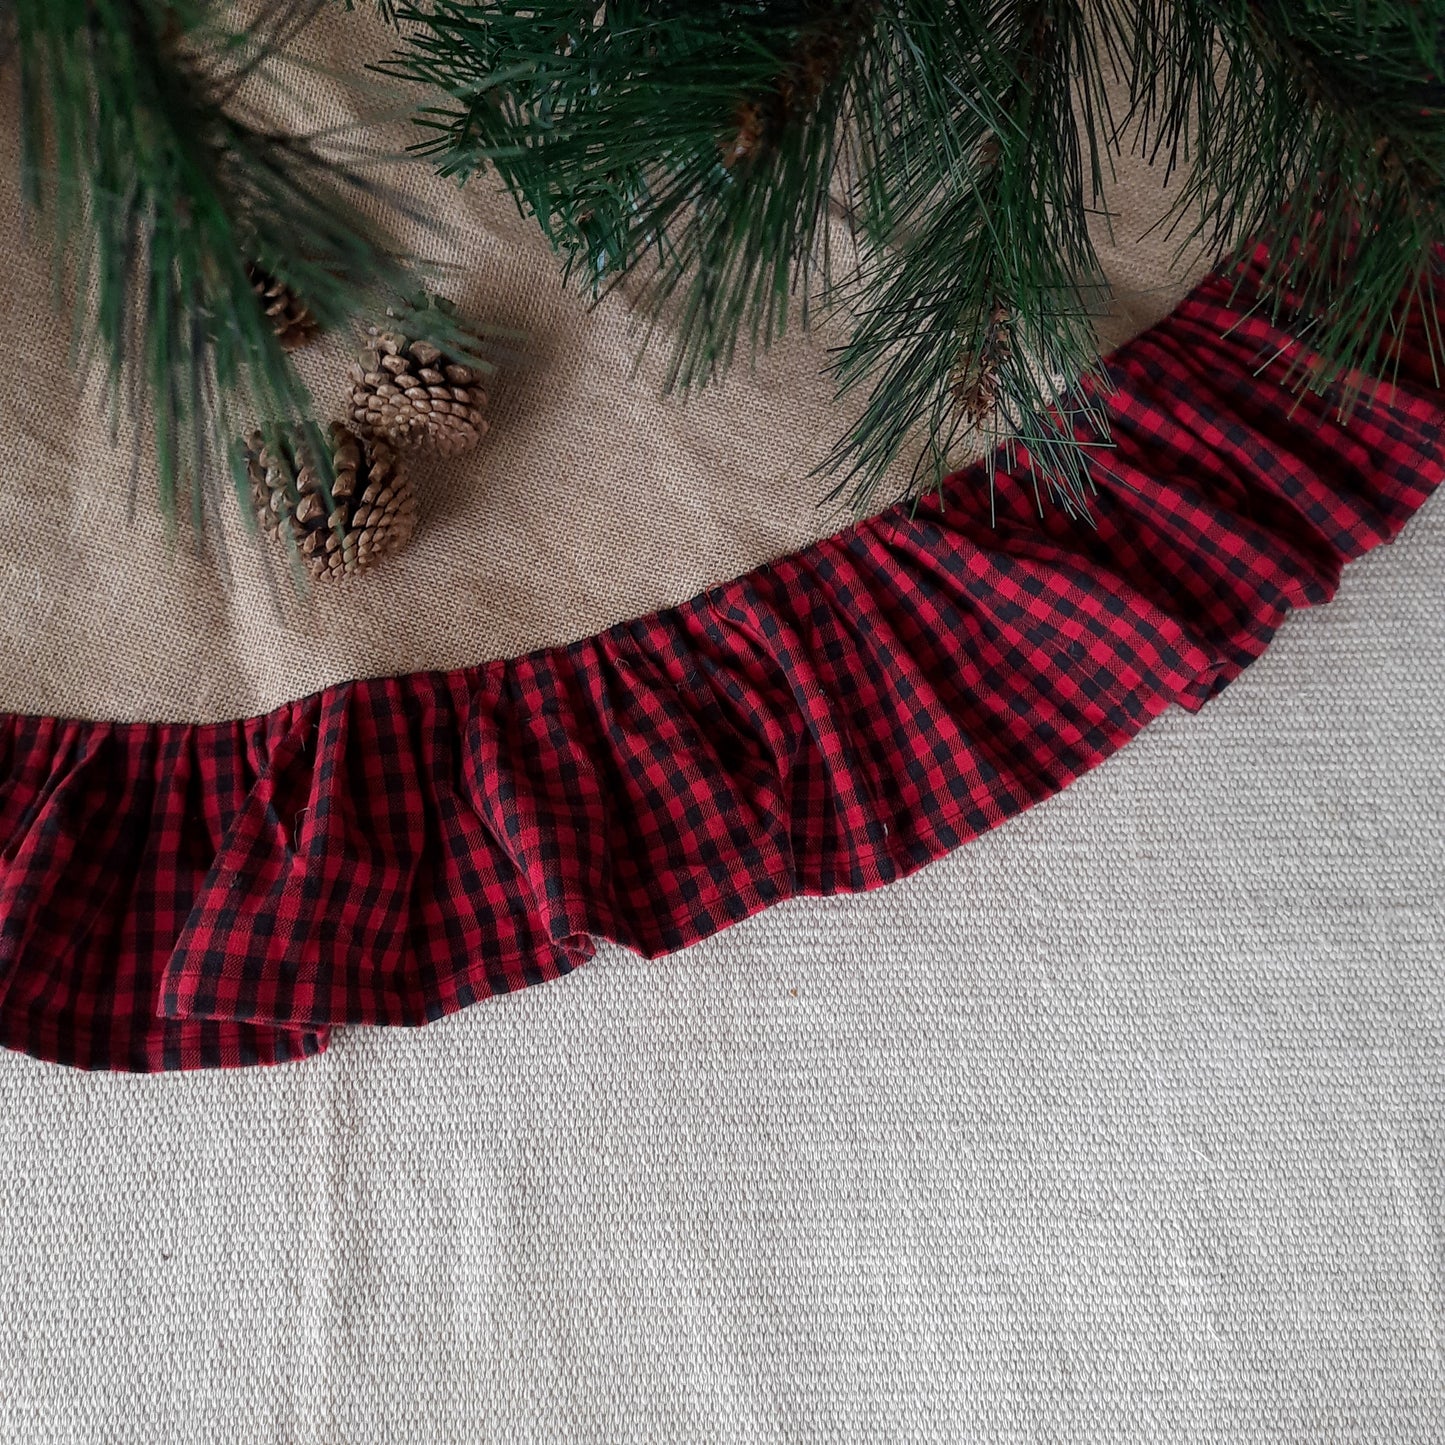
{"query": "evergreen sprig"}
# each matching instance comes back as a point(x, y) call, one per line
point(1319, 131)
point(701, 147)
point(652, 139)
point(973, 310)
point(159, 187)
point(703, 150)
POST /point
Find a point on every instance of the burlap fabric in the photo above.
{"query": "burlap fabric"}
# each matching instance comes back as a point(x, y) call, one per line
point(593, 499)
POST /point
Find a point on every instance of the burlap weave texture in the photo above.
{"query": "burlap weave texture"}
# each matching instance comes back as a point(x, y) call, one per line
point(594, 498)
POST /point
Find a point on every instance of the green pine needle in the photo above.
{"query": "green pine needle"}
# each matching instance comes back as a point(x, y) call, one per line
point(702, 147)
point(159, 190)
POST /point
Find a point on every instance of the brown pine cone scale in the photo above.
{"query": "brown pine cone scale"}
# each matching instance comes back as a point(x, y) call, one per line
point(290, 318)
point(372, 510)
point(408, 393)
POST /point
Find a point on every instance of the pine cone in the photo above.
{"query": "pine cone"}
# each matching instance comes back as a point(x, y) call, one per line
point(975, 380)
point(293, 324)
point(411, 394)
point(373, 507)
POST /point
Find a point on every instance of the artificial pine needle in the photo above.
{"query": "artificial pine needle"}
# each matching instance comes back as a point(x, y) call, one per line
point(702, 146)
point(160, 194)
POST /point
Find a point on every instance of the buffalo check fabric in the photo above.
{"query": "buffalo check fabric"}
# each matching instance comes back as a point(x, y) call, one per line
point(393, 849)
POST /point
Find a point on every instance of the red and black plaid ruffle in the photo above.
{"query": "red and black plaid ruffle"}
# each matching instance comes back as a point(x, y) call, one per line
point(390, 850)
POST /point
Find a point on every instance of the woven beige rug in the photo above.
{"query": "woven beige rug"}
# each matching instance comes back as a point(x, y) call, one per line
point(1121, 1124)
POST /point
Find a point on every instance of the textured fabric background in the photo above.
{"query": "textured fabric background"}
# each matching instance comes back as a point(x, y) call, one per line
point(1123, 1124)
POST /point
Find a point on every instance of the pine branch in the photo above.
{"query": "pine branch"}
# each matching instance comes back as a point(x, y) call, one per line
point(977, 316)
point(701, 146)
point(160, 192)
point(703, 162)
point(1317, 129)
point(697, 145)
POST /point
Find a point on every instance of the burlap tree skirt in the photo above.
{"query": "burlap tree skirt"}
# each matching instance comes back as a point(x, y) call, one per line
point(616, 690)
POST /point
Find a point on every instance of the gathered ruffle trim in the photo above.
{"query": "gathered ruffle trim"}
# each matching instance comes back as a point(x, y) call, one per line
point(391, 850)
